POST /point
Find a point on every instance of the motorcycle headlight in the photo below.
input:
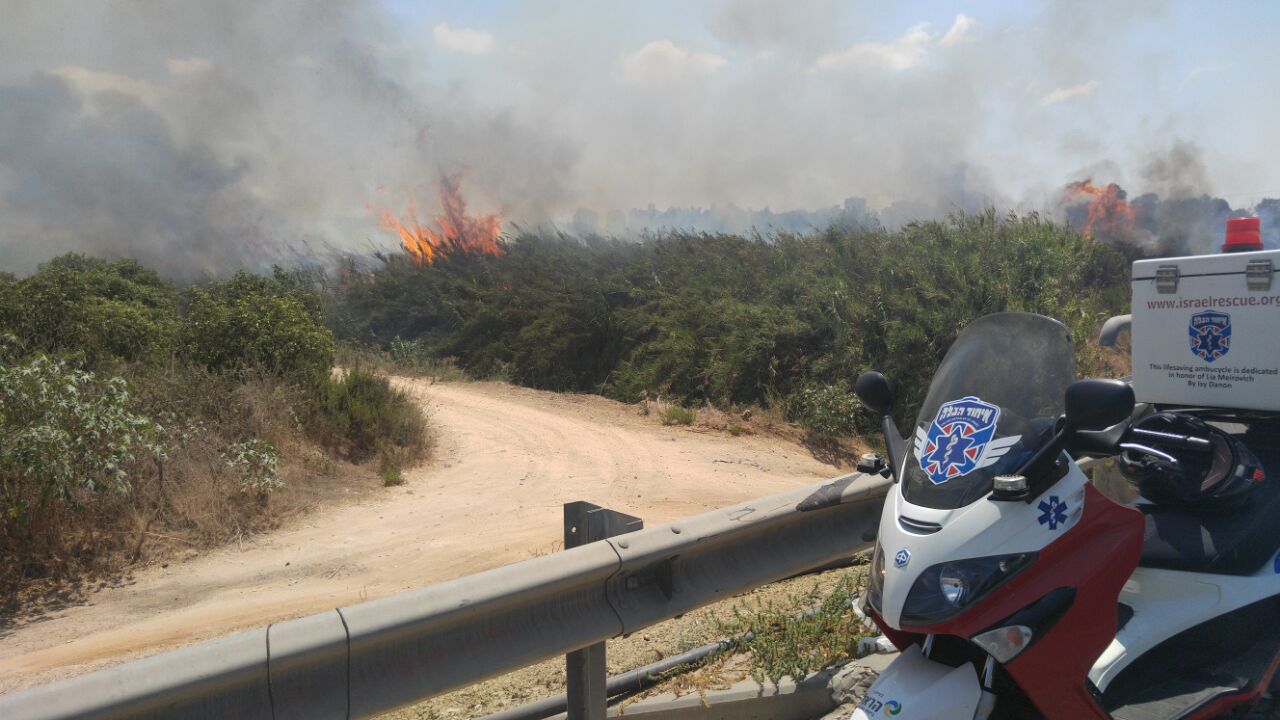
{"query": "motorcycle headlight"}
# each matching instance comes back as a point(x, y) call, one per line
point(875, 580)
point(944, 590)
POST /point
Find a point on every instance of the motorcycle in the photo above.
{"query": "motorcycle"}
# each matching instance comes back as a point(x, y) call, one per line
point(1015, 588)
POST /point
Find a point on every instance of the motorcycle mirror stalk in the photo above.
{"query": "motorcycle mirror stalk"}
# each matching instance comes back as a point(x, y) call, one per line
point(1091, 405)
point(873, 390)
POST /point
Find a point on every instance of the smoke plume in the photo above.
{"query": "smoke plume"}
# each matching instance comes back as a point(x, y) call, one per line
point(204, 135)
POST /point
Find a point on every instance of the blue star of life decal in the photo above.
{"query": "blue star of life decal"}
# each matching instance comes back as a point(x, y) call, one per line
point(1210, 334)
point(1053, 512)
point(960, 440)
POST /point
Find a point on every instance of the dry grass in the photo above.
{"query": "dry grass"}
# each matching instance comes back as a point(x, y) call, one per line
point(408, 359)
point(841, 453)
point(1112, 362)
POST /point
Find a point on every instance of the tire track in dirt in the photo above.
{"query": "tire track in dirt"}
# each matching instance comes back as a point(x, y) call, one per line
point(506, 459)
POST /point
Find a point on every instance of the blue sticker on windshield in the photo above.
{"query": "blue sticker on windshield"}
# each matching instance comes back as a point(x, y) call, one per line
point(1210, 334)
point(960, 440)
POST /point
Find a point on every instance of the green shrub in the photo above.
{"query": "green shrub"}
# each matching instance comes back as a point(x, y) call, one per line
point(409, 354)
point(132, 417)
point(829, 410)
point(391, 476)
point(256, 465)
point(65, 430)
point(359, 415)
point(101, 310)
point(732, 320)
point(255, 321)
point(414, 357)
point(676, 415)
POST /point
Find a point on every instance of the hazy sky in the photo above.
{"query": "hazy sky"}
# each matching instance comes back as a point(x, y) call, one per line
point(1033, 93)
point(197, 132)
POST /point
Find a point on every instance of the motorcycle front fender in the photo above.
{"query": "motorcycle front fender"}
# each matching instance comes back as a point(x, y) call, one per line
point(916, 688)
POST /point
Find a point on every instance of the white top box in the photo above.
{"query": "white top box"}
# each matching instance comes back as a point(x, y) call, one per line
point(1206, 330)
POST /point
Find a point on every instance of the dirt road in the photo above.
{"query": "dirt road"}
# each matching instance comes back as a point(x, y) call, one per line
point(506, 459)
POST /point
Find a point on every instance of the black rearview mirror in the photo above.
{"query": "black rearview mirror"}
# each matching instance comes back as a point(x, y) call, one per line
point(1098, 404)
point(1091, 405)
point(873, 389)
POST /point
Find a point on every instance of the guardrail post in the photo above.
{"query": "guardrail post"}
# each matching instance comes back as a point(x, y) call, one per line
point(586, 673)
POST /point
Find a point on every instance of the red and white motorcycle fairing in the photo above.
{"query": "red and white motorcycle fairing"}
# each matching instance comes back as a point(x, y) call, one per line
point(1095, 550)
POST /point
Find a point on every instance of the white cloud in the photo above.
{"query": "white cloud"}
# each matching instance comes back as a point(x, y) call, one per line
point(1200, 71)
point(181, 68)
point(901, 54)
point(92, 81)
point(664, 61)
point(960, 32)
point(1084, 89)
point(468, 41)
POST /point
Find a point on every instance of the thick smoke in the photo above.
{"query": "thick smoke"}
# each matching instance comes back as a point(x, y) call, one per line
point(72, 187)
point(204, 135)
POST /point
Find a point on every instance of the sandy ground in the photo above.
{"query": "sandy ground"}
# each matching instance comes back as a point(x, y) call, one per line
point(506, 459)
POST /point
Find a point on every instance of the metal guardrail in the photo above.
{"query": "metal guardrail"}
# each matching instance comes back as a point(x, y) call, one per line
point(366, 659)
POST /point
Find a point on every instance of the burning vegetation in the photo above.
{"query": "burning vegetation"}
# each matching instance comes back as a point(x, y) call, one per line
point(1149, 225)
point(455, 232)
point(1108, 214)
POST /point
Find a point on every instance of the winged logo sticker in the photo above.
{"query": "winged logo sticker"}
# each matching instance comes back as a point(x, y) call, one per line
point(961, 439)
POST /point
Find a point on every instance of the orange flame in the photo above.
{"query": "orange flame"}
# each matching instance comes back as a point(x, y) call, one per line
point(1109, 213)
point(456, 233)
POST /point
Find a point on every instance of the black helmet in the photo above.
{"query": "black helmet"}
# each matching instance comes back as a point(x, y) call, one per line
point(1179, 459)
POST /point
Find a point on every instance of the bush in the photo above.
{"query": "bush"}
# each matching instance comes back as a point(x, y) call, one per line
point(66, 429)
point(128, 418)
point(359, 415)
point(829, 410)
point(256, 465)
point(411, 355)
point(68, 435)
point(255, 321)
point(676, 415)
point(391, 475)
point(731, 320)
point(98, 309)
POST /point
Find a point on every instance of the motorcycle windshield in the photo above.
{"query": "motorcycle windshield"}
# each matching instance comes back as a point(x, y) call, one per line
point(990, 407)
